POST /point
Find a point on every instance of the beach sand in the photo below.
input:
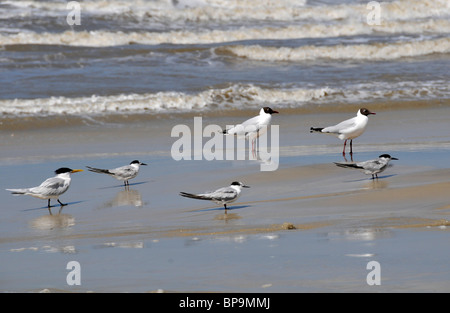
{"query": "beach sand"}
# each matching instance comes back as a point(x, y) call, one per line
point(309, 226)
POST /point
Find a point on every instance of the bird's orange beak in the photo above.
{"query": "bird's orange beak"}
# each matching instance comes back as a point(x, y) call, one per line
point(75, 171)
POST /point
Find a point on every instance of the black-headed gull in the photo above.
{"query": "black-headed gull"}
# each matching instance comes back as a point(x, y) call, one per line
point(371, 167)
point(222, 195)
point(123, 173)
point(348, 129)
point(51, 188)
point(252, 128)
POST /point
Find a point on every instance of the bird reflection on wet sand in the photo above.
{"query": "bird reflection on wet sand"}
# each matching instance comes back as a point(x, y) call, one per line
point(49, 222)
point(126, 197)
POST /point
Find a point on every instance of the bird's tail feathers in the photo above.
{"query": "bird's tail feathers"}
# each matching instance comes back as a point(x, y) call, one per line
point(98, 170)
point(193, 196)
point(17, 191)
point(315, 129)
point(348, 165)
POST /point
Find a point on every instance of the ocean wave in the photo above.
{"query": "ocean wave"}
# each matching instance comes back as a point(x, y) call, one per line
point(120, 22)
point(234, 97)
point(375, 51)
point(232, 10)
point(107, 38)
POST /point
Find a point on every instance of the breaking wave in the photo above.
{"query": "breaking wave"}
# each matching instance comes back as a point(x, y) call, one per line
point(377, 51)
point(211, 21)
point(215, 100)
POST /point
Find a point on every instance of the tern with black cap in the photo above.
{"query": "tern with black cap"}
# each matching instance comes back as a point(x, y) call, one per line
point(221, 196)
point(123, 173)
point(51, 188)
point(371, 167)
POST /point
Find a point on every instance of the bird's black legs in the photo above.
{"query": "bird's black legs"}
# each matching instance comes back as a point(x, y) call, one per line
point(225, 205)
point(49, 206)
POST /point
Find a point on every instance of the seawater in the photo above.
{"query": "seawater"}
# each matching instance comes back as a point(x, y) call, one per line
point(166, 57)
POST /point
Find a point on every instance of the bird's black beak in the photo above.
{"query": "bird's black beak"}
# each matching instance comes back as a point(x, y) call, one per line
point(245, 186)
point(142, 164)
point(394, 159)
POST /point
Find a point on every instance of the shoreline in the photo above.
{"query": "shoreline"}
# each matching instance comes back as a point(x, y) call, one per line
point(127, 118)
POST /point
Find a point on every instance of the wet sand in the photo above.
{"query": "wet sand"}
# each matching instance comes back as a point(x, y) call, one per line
point(309, 226)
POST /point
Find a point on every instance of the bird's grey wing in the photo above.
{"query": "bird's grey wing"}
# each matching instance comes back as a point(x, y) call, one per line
point(250, 125)
point(223, 194)
point(251, 121)
point(123, 171)
point(370, 165)
point(376, 165)
point(51, 186)
point(341, 127)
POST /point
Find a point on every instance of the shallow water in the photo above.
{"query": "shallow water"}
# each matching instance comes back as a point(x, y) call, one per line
point(290, 261)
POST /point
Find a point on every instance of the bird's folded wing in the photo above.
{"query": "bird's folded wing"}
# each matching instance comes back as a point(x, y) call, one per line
point(249, 126)
point(251, 121)
point(53, 182)
point(371, 165)
point(124, 170)
point(341, 127)
point(223, 194)
point(51, 186)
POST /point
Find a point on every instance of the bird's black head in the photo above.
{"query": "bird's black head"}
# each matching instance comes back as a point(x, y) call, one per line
point(268, 110)
point(238, 183)
point(137, 162)
point(63, 170)
point(387, 156)
point(366, 112)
